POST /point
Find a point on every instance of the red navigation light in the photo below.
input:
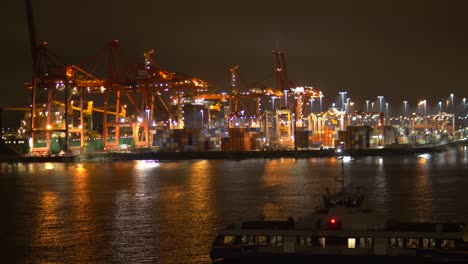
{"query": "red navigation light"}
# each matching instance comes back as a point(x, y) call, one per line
point(334, 224)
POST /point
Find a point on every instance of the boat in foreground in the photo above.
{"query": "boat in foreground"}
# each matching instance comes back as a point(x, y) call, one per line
point(343, 231)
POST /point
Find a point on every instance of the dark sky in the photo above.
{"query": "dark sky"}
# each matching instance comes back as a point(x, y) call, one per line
point(407, 49)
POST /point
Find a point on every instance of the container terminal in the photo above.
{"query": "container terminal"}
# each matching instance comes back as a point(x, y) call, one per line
point(140, 109)
point(109, 105)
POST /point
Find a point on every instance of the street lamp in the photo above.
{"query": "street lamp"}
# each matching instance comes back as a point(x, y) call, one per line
point(147, 126)
point(312, 105)
point(425, 105)
point(347, 104)
point(464, 115)
point(420, 108)
point(342, 99)
point(321, 96)
point(425, 121)
point(201, 111)
point(367, 106)
point(405, 103)
point(285, 98)
point(451, 98)
point(380, 100)
point(440, 106)
point(464, 105)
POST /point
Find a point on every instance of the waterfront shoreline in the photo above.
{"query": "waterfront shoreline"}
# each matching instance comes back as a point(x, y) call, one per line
point(234, 155)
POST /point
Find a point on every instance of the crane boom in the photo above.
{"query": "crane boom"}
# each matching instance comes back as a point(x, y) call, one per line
point(32, 32)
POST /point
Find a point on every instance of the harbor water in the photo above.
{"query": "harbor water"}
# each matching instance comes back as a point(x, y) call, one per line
point(170, 211)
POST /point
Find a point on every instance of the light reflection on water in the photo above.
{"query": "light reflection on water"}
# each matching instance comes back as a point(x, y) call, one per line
point(143, 211)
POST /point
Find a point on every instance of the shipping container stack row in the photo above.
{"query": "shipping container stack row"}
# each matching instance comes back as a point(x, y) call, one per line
point(358, 137)
point(303, 139)
point(188, 139)
point(325, 137)
point(240, 139)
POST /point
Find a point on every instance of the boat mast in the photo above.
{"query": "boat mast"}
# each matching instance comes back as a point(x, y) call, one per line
point(342, 173)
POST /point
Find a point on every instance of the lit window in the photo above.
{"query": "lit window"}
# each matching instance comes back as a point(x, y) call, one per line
point(277, 240)
point(412, 243)
point(304, 241)
point(247, 240)
point(351, 243)
point(322, 242)
point(229, 240)
point(429, 243)
point(448, 244)
point(369, 242)
point(261, 240)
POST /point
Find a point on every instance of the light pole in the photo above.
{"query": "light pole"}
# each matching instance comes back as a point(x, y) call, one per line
point(201, 111)
point(464, 116)
point(367, 106)
point(464, 104)
point(423, 104)
point(440, 107)
point(405, 103)
point(342, 100)
point(347, 104)
point(312, 105)
point(285, 98)
point(380, 100)
point(453, 115)
point(321, 96)
point(451, 98)
point(147, 126)
point(425, 107)
point(420, 108)
point(386, 108)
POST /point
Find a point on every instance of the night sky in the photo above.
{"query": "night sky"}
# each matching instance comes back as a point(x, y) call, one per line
point(403, 50)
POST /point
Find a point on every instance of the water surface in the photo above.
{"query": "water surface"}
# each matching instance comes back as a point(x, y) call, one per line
point(169, 212)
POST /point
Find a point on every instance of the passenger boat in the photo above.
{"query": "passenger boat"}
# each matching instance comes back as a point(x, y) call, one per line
point(343, 231)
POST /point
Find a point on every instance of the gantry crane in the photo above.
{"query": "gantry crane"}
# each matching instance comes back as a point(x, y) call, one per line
point(300, 93)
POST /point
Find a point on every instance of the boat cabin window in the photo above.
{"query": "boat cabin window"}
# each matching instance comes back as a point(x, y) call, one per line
point(429, 243)
point(229, 240)
point(426, 243)
point(412, 243)
point(322, 242)
point(261, 240)
point(396, 242)
point(366, 242)
point(305, 241)
point(247, 240)
point(351, 243)
point(404, 242)
point(276, 241)
point(448, 244)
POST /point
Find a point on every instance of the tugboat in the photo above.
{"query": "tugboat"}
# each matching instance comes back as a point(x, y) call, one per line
point(342, 231)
